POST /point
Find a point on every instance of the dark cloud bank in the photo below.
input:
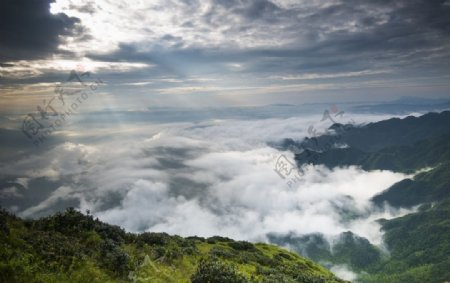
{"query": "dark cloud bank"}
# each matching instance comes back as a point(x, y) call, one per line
point(29, 31)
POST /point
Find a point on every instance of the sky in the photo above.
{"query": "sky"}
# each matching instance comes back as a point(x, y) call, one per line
point(191, 53)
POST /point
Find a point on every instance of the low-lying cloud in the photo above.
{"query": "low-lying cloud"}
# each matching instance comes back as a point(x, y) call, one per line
point(208, 178)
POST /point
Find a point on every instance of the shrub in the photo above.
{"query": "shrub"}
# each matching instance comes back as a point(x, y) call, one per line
point(4, 226)
point(113, 258)
point(215, 239)
point(158, 239)
point(222, 252)
point(242, 246)
point(214, 271)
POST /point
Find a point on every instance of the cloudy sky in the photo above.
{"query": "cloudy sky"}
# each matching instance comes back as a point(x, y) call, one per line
point(225, 52)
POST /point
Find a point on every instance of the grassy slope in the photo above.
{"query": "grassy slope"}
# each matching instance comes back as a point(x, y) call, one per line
point(72, 247)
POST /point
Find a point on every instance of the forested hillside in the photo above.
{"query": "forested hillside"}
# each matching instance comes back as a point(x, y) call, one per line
point(418, 244)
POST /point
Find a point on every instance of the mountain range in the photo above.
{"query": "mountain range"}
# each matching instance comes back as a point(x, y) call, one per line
point(417, 244)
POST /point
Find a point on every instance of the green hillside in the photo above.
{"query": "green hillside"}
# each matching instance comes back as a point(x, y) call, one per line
point(392, 132)
point(425, 187)
point(401, 158)
point(72, 247)
point(419, 246)
point(431, 153)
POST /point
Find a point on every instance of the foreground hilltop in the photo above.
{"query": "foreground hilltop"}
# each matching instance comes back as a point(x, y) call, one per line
point(73, 247)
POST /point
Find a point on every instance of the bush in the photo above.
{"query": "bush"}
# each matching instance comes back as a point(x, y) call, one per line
point(242, 246)
point(215, 239)
point(113, 258)
point(221, 252)
point(4, 229)
point(158, 239)
point(172, 253)
point(214, 271)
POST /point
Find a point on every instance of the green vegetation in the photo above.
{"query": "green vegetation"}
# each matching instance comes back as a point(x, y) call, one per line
point(425, 187)
point(419, 245)
point(72, 247)
point(400, 158)
point(432, 185)
point(373, 138)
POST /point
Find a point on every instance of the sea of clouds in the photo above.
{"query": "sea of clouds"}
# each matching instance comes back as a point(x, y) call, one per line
point(213, 177)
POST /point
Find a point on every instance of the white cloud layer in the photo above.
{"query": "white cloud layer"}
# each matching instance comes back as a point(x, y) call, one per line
point(211, 178)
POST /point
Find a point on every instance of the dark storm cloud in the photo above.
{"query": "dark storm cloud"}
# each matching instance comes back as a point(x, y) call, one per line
point(383, 29)
point(343, 37)
point(29, 31)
